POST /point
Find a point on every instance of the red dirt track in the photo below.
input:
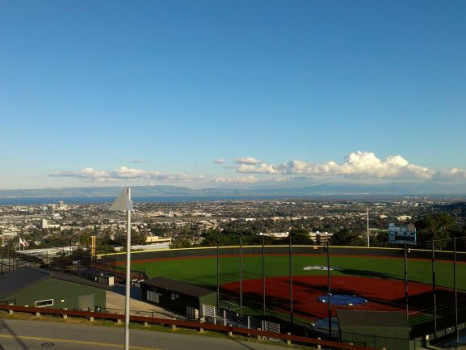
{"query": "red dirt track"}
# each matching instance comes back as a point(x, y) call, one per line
point(382, 294)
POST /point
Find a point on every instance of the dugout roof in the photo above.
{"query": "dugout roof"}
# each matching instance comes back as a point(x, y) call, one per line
point(177, 286)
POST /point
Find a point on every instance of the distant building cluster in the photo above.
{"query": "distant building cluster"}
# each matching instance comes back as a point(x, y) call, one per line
point(173, 223)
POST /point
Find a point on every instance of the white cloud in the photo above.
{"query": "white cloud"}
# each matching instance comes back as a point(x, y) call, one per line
point(219, 161)
point(132, 173)
point(247, 161)
point(124, 173)
point(260, 168)
point(356, 165)
point(237, 179)
point(453, 174)
point(86, 174)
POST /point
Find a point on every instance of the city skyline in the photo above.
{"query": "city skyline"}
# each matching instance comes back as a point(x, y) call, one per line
point(236, 94)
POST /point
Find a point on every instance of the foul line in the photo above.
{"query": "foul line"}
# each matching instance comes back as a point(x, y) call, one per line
point(81, 342)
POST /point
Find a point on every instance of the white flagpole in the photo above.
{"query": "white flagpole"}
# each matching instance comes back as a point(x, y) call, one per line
point(128, 274)
point(123, 202)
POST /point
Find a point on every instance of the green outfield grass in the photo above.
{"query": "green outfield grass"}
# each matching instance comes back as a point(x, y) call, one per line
point(203, 271)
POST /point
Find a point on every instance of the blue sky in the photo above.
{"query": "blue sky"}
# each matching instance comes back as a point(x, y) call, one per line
point(231, 93)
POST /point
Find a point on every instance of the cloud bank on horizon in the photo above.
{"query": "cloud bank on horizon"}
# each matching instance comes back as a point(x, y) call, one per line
point(123, 174)
point(358, 166)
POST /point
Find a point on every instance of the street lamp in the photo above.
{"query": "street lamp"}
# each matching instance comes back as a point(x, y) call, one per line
point(123, 203)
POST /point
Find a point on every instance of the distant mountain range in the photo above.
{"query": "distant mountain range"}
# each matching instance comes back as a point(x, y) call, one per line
point(341, 190)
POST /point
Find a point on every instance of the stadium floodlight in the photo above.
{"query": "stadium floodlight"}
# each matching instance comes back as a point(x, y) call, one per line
point(263, 273)
point(123, 203)
point(367, 228)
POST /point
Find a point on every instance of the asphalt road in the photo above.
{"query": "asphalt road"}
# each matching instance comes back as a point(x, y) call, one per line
point(35, 335)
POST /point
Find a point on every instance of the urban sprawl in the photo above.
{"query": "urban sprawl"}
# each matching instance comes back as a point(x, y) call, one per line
point(187, 224)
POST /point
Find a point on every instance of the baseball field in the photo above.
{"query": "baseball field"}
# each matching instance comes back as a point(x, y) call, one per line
point(377, 279)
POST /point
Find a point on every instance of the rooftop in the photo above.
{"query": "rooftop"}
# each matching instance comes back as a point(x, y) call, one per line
point(177, 286)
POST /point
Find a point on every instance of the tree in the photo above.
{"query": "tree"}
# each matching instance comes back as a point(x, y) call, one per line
point(138, 238)
point(345, 237)
point(181, 243)
point(85, 239)
point(299, 236)
point(440, 227)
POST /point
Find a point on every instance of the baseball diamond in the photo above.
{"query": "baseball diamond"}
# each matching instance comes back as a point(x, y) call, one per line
point(375, 274)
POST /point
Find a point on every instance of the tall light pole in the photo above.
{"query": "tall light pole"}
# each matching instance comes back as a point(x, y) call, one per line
point(329, 292)
point(406, 281)
point(290, 266)
point(218, 275)
point(367, 228)
point(123, 203)
point(241, 274)
point(263, 274)
point(457, 331)
point(434, 292)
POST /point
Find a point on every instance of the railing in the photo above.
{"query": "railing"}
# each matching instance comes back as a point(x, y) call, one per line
point(185, 324)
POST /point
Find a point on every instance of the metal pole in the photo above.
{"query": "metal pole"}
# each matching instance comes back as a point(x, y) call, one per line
point(456, 292)
point(368, 231)
point(241, 274)
point(290, 262)
point(406, 280)
point(218, 273)
point(263, 275)
point(329, 293)
point(434, 293)
point(128, 274)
